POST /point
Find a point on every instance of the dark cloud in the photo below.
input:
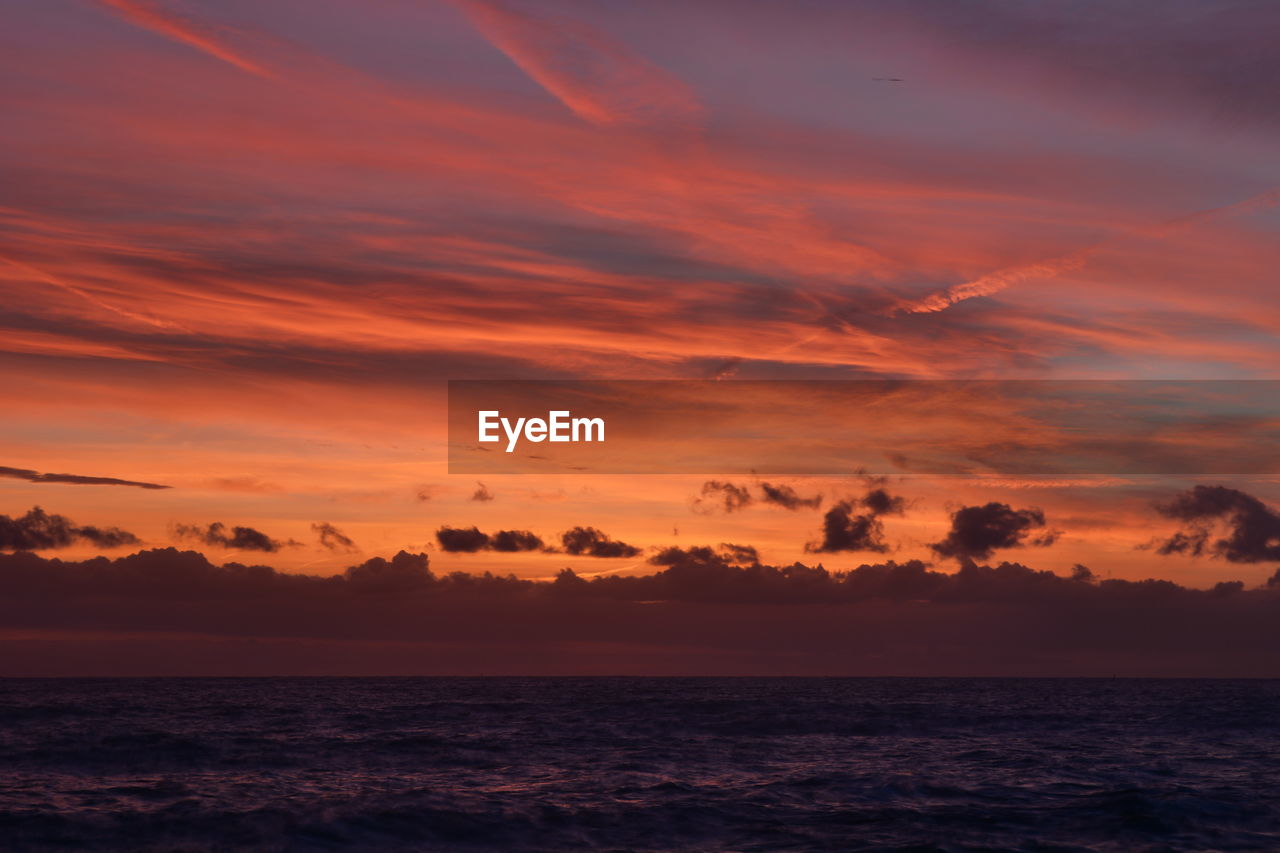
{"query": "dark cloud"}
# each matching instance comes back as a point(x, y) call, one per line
point(845, 529)
point(914, 580)
point(1252, 529)
point(106, 537)
point(727, 554)
point(333, 538)
point(786, 497)
point(589, 542)
point(73, 479)
point(879, 502)
point(38, 530)
point(402, 574)
point(579, 542)
point(718, 494)
point(1082, 573)
point(468, 540)
point(741, 555)
point(731, 497)
point(1192, 544)
point(482, 493)
point(977, 531)
point(725, 574)
point(515, 540)
point(240, 538)
point(705, 574)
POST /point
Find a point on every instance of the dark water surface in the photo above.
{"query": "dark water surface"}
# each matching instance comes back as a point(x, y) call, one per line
point(639, 764)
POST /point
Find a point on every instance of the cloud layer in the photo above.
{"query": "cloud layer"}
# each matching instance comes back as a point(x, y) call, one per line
point(705, 610)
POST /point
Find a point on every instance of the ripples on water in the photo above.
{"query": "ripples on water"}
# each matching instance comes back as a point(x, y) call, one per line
point(639, 764)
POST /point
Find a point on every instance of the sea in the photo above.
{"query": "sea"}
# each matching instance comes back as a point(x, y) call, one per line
point(639, 764)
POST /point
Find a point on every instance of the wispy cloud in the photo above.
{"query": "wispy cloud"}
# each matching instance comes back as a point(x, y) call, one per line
point(200, 35)
point(594, 75)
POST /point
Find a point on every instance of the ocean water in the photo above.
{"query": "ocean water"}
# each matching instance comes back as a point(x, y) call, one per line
point(639, 764)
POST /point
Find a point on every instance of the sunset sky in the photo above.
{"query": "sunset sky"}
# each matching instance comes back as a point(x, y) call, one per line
point(244, 245)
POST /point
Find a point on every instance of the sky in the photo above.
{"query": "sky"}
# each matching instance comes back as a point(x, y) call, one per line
point(244, 245)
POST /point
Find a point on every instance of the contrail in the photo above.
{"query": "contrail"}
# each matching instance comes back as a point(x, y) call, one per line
point(997, 281)
point(173, 26)
point(86, 296)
